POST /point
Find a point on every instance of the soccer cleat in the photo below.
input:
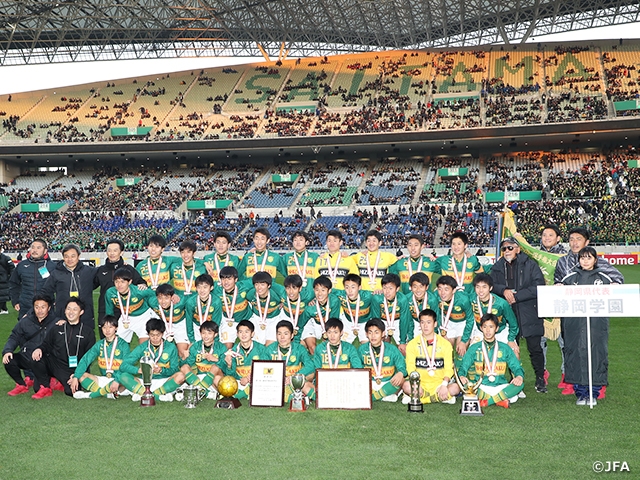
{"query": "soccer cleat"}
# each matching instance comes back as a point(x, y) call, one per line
point(603, 392)
point(28, 382)
point(513, 399)
point(56, 385)
point(546, 376)
point(390, 398)
point(406, 399)
point(568, 390)
point(581, 401)
point(450, 401)
point(4, 312)
point(594, 402)
point(541, 385)
point(18, 390)
point(563, 384)
point(166, 397)
point(212, 394)
point(503, 403)
point(179, 395)
point(42, 393)
point(522, 395)
point(484, 403)
point(125, 393)
point(112, 396)
point(136, 397)
point(80, 395)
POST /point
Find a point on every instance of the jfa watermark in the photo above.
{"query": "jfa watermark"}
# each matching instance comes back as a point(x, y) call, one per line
point(607, 467)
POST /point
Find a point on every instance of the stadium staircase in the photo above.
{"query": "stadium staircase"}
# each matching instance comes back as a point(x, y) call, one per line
point(168, 117)
point(420, 185)
point(438, 236)
point(24, 115)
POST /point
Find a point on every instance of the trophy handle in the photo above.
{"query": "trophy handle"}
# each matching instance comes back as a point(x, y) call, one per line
point(469, 387)
point(202, 393)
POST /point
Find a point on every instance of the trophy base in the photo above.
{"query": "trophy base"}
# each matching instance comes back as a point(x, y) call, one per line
point(228, 403)
point(147, 400)
point(471, 406)
point(415, 408)
point(298, 405)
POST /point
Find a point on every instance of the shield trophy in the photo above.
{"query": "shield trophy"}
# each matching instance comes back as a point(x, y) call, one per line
point(415, 405)
point(298, 401)
point(147, 399)
point(470, 403)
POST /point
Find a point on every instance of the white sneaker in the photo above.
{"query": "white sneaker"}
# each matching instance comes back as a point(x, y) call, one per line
point(522, 395)
point(111, 396)
point(125, 393)
point(390, 398)
point(212, 394)
point(166, 397)
point(135, 397)
point(82, 395)
point(179, 395)
point(406, 399)
point(450, 401)
point(513, 399)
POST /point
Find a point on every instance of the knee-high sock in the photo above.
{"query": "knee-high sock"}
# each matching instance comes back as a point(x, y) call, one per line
point(131, 384)
point(168, 387)
point(89, 385)
point(387, 389)
point(506, 393)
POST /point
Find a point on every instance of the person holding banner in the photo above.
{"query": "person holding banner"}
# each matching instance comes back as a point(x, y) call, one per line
point(574, 331)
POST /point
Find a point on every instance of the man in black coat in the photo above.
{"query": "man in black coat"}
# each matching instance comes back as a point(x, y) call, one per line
point(71, 278)
point(6, 268)
point(104, 275)
point(26, 336)
point(29, 276)
point(516, 278)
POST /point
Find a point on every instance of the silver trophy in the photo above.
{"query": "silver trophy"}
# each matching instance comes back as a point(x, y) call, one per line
point(298, 401)
point(470, 403)
point(146, 365)
point(193, 394)
point(415, 405)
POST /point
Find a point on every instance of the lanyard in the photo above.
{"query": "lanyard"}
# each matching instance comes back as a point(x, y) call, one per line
point(66, 340)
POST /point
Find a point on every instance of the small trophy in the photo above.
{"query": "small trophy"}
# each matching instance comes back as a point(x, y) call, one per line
point(146, 365)
point(192, 395)
point(298, 401)
point(415, 405)
point(227, 387)
point(470, 402)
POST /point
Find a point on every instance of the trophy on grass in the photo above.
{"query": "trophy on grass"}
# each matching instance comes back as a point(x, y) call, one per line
point(146, 365)
point(298, 400)
point(415, 405)
point(192, 394)
point(227, 387)
point(470, 402)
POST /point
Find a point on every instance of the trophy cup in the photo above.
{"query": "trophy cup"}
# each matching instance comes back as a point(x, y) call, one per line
point(192, 395)
point(298, 401)
point(470, 402)
point(146, 365)
point(227, 387)
point(415, 405)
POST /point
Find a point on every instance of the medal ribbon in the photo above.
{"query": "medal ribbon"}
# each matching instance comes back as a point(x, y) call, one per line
point(485, 357)
point(489, 306)
point(294, 317)
point(203, 351)
point(390, 319)
point(425, 303)
point(240, 355)
point(202, 317)
point(230, 311)
point(164, 318)
point(410, 268)
point(264, 261)
point(319, 311)
point(263, 313)
point(372, 274)
point(338, 353)
point(302, 272)
point(215, 260)
point(449, 310)
point(123, 314)
point(333, 274)
point(188, 285)
point(109, 358)
point(459, 278)
point(286, 357)
point(356, 317)
point(431, 359)
point(377, 367)
point(156, 280)
point(157, 357)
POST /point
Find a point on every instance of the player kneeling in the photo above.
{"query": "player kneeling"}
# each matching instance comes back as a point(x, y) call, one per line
point(204, 365)
point(493, 358)
point(431, 355)
point(110, 352)
point(164, 356)
point(388, 368)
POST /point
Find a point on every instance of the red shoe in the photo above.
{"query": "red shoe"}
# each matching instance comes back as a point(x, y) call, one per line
point(56, 385)
point(28, 381)
point(603, 392)
point(19, 390)
point(484, 403)
point(42, 393)
point(546, 377)
point(562, 383)
point(568, 390)
point(503, 403)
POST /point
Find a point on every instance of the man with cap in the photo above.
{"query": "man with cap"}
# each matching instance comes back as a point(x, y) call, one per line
point(516, 278)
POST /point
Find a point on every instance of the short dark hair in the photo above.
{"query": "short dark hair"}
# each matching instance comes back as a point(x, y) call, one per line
point(581, 231)
point(165, 289)
point(427, 312)
point(155, 324)
point(483, 278)
point(75, 300)
point(374, 322)
point(188, 245)
point(205, 278)
point(462, 236)
point(228, 272)
point(71, 246)
point(335, 233)
point(323, 281)
point(117, 241)
point(374, 233)
point(334, 322)
point(262, 277)
point(42, 298)
point(416, 236)
point(293, 280)
point(391, 278)
point(209, 326)
point(588, 252)
point(222, 234)
point(420, 277)
point(264, 231)
point(246, 323)
point(42, 241)
point(111, 320)
point(285, 324)
point(157, 240)
point(353, 277)
point(447, 280)
point(490, 317)
point(554, 227)
point(300, 233)
point(123, 273)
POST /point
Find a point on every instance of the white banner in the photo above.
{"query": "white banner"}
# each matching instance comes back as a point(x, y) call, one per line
point(589, 300)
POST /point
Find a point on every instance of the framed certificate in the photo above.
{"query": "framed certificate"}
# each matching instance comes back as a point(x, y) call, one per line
point(267, 383)
point(344, 389)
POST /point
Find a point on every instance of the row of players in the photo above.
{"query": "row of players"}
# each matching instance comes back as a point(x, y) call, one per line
point(208, 360)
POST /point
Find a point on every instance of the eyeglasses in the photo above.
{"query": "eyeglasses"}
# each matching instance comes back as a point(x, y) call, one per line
point(507, 248)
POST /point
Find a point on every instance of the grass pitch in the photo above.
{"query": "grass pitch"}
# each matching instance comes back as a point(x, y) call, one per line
point(542, 436)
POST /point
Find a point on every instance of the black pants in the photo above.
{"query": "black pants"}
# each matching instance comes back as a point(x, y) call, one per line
point(48, 367)
point(536, 354)
point(21, 361)
point(3, 305)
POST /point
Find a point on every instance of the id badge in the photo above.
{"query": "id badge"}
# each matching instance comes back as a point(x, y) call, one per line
point(73, 293)
point(73, 361)
point(44, 273)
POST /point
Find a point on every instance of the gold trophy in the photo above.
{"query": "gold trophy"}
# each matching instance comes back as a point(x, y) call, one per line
point(146, 365)
point(415, 405)
point(227, 387)
point(470, 402)
point(298, 400)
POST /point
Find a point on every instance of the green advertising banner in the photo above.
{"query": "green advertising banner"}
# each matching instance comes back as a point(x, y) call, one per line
point(127, 181)
point(130, 131)
point(284, 178)
point(627, 105)
point(452, 172)
point(208, 204)
point(513, 196)
point(41, 207)
point(633, 164)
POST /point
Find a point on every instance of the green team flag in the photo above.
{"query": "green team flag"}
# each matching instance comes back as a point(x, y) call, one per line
point(547, 262)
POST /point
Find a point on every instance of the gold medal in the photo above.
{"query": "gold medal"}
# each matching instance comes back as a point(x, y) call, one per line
point(324, 335)
point(170, 338)
point(262, 326)
point(109, 375)
point(390, 333)
point(125, 324)
point(355, 332)
point(378, 381)
point(443, 332)
point(295, 332)
point(230, 324)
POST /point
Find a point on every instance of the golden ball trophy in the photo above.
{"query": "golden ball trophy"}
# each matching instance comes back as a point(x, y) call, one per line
point(227, 387)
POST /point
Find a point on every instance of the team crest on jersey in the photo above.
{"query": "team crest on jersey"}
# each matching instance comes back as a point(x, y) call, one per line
point(457, 309)
point(494, 311)
point(292, 358)
point(164, 265)
point(255, 357)
point(344, 357)
point(499, 354)
point(165, 356)
point(469, 265)
point(117, 352)
point(270, 259)
point(386, 359)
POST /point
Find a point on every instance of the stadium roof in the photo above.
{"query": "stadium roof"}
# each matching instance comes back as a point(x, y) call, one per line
point(45, 31)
